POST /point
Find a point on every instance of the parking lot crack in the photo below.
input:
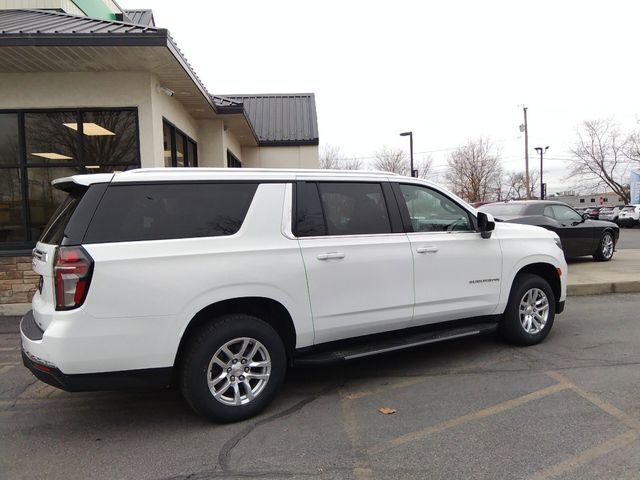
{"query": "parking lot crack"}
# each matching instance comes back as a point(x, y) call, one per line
point(229, 445)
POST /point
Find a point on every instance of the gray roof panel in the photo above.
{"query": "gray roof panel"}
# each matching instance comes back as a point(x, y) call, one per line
point(279, 119)
point(21, 22)
point(141, 17)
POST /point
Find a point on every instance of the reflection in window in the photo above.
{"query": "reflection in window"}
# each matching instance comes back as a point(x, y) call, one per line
point(57, 144)
point(109, 137)
point(9, 139)
point(49, 139)
point(179, 149)
point(432, 212)
point(11, 216)
point(43, 198)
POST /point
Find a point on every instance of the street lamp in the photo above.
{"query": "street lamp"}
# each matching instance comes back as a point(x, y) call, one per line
point(414, 173)
point(541, 152)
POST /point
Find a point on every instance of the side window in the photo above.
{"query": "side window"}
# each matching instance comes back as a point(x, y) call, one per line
point(129, 213)
point(548, 212)
point(309, 218)
point(564, 213)
point(431, 211)
point(354, 208)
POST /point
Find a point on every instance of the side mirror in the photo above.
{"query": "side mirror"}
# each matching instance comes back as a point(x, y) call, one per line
point(486, 224)
point(585, 216)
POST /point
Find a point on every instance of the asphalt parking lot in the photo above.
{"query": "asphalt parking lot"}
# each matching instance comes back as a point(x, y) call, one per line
point(629, 238)
point(568, 408)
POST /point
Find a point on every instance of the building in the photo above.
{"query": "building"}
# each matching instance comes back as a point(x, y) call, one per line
point(86, 86)
point(594, 200)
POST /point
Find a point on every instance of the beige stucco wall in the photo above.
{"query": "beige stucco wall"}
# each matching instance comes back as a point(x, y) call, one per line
point(139, 89)
point(170, 108)
point(211, 144)
point(281, 157)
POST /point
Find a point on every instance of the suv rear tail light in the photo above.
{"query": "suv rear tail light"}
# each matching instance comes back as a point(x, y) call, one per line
point(72, 269)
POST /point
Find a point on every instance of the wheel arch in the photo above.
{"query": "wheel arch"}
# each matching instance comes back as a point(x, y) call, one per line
point(546, 271)
point(269, 310)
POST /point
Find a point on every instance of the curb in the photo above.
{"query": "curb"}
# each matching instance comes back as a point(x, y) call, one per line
point(603, 288)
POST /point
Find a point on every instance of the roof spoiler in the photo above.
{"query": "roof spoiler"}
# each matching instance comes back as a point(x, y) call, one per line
point(79, 183)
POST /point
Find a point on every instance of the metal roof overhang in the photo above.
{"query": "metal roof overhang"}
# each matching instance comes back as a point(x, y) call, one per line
point(151, 52)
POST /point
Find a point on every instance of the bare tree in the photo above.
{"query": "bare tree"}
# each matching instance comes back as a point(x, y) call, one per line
point(391, 160)
point(424, 166)
point(351, 164)
point(330, 157)
point(601, 157)
point(474, 170)
point(514, 185)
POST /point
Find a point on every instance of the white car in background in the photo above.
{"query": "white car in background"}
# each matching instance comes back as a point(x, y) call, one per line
point(611, 214)
point(629, 216)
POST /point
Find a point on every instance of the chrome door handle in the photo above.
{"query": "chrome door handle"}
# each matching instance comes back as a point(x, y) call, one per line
point(331, 255)
point(427, 249)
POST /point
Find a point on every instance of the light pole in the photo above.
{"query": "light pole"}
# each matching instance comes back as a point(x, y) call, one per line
point(541, 152)
point(414, 173)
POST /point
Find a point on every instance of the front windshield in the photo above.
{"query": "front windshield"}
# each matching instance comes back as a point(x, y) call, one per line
point(504, 209)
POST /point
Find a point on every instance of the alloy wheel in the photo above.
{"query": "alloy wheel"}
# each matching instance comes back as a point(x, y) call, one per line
point(534, 310)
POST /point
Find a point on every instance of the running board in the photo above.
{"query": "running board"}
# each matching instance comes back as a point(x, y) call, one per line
point(390, 345)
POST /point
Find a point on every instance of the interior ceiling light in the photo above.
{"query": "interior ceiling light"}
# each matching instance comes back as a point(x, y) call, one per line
point(90, 129)
point(52, 156)
point(93, 167)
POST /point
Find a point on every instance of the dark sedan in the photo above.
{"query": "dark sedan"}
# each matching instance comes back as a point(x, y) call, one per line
point(580, 236)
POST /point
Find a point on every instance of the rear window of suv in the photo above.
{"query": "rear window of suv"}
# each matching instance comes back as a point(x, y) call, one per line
point(129, 213)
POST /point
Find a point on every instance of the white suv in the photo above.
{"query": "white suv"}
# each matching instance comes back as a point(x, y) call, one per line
point(216, 280)
point(629, 216)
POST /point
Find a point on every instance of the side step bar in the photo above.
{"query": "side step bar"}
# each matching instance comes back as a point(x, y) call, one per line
point(390, 345)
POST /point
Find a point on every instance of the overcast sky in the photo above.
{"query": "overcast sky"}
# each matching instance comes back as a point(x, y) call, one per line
point(447, 70)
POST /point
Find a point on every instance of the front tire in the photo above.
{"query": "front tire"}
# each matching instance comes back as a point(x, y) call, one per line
point(232, 368)
point(605, 249)
point(530, 312)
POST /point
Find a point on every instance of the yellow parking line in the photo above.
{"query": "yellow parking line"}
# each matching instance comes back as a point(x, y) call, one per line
point(6, 368)
point(598, 402)
point(8, 349)
point(361, 469)
point(587, 456)
point(456, 422)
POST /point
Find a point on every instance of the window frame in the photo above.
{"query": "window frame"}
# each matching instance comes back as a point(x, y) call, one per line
point(406, 217)
point(232, 160)
point(186, 142)
point(23, 165)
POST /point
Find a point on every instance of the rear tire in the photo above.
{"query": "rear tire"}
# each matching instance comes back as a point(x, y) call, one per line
point(605, 249)
point(530, 312)
point(232, 368)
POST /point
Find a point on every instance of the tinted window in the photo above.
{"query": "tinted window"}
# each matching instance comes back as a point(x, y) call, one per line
point(548, 212)
point(354, 208)
point(431, 211)
point(164, 211)
point(54, 231)
point(309, 219)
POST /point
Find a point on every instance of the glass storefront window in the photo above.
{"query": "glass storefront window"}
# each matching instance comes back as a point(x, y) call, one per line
point(109, 137)
point(52, 137)
point(179, 149)
point(56, 144)
point(12, 228)
point(9, 154)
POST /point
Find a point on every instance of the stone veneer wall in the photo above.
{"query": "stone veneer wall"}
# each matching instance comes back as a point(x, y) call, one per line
point(18, 282)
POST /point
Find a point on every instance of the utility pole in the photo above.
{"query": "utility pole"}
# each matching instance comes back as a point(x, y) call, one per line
point(541, 151)
point(526, 153)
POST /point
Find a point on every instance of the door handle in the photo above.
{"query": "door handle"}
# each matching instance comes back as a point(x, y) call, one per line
point(331, 255)
point(427, 249)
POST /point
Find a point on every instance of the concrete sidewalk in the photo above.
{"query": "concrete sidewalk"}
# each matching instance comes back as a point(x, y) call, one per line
point(620, 275)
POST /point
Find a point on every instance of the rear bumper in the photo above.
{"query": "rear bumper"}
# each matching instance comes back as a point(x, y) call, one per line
point(36, 358)
point(624, 222)
point(150, 378)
